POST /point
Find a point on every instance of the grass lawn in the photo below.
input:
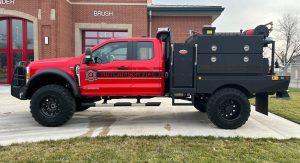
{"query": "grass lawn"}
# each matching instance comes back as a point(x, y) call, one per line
point(155, 149)
point(289, 109)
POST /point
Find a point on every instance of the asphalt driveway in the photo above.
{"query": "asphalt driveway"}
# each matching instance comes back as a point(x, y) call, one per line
point(17, 125)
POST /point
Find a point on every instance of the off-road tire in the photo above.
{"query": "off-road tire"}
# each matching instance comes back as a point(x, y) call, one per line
point(217, 103)
point(200, 104)
point(63, 99)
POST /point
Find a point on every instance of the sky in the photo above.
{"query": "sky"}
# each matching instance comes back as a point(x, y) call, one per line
point(244, 14)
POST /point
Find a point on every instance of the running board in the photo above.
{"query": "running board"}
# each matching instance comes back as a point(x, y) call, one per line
point(119, 104)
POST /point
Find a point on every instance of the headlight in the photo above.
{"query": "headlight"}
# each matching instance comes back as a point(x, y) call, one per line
point(27, 73)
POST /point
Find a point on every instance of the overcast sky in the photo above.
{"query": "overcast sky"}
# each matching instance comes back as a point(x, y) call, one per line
point(244, 14)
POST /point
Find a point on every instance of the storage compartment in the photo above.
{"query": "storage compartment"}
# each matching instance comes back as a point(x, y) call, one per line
point(243, 64)
point(183, 66)
point(230, 55)
point(215, 44)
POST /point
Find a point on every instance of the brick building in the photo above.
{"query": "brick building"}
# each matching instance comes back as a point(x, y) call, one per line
point(38, 29)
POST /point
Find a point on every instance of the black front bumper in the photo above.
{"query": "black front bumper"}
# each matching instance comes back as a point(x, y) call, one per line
point(18, 86)
point(19, 92)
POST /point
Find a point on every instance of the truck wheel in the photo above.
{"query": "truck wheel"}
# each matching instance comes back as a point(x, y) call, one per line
point(228, 108)
point(52, 105)
point(200, 104)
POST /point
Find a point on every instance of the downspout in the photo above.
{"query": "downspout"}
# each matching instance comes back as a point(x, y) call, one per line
point(150, 23)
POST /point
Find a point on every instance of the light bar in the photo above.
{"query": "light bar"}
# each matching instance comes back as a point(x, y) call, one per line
point(164, 29)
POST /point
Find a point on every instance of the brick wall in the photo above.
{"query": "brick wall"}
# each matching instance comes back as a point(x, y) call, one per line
point(60, 30)
point(180, 25)
point(47, 28)
point(65, 29)
point(30, 7)
point(111, 1)
point(122, 14)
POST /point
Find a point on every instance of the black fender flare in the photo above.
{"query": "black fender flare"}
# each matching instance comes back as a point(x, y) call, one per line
point(74, 86)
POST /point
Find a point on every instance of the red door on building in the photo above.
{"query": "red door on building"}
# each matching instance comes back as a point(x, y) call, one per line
point(16, 44)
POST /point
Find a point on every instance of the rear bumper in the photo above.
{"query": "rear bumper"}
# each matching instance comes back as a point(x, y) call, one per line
point(19, 92)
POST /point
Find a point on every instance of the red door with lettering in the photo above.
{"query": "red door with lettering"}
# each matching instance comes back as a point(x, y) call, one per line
point(108, 74)
point(149, 68)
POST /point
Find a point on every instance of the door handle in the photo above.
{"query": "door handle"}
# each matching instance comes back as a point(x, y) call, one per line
point(122, 68)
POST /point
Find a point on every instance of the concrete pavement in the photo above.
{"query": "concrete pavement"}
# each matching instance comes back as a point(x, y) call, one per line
point(17, 125)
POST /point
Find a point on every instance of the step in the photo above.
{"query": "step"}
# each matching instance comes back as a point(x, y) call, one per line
point(121, 104)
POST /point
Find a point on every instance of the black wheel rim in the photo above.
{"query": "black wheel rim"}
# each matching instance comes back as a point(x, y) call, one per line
point(50, 107)
point(230, 109)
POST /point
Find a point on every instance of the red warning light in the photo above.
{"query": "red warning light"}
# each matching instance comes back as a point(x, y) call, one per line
point(287, 78)
point(183, 52)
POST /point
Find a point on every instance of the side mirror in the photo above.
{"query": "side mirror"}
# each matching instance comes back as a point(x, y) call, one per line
point(88, 56)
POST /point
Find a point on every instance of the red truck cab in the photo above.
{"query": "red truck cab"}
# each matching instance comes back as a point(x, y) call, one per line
point(119, 65)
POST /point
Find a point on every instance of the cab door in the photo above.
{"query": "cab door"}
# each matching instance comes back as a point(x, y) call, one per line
point(107, 75)
point(148, 77)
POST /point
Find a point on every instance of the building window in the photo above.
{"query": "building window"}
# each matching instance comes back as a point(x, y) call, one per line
point(3, 34)
point(92, 38)
point(17, 32)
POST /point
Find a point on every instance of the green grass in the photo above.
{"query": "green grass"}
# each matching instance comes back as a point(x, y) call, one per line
point(155, 149)
point(289, 109)
point(166, 149)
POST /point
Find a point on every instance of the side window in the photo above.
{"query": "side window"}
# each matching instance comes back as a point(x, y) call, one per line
point(145, 50)
point(111, 52)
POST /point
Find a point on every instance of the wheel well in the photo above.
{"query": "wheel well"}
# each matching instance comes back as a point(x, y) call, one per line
point(235, 86)
point(44, 80)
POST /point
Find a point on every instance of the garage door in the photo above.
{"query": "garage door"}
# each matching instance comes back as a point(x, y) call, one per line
point(92, 38)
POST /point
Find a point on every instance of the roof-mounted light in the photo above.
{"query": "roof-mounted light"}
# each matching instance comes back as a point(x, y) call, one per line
point(164, 29)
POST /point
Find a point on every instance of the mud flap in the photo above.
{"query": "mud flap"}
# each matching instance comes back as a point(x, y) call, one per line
point(262, 103)
point(283, 94)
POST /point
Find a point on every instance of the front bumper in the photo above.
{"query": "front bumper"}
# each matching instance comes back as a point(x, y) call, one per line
point(19, 92)
point(18, 86)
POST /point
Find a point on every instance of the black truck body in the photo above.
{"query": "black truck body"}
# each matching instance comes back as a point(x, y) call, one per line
point(212, 62)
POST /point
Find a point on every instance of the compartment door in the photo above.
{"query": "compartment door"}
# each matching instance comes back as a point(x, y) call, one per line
point(183, 67)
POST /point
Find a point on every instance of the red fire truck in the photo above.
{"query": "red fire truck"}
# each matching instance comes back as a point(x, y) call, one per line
point(216, 73)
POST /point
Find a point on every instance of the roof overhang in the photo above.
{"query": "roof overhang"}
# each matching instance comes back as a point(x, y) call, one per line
point(185, 10)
